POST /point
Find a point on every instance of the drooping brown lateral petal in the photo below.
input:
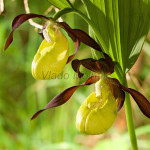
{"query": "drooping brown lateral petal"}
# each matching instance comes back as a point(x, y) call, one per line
point(86, 39)
point(110, 62)
point(17, 22)
point(141, 101)
point(81, 35)
point(117, 92)
point(64, 96)
point(98, 66)
point(76, 45)
point(76, 65)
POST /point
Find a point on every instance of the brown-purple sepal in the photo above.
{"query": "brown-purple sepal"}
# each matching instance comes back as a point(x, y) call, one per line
point(81, 36)
point(117, 91)
point(77, 34)
point(74, 38)
point(17, 22)
point(64, 96)
point(109, 61)
point(76, 45)
point(141, 101)
point(98, 66)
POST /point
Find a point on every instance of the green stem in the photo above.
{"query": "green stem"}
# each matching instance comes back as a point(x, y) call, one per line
point(129, 118)
point(62, 12)
point(73, 10)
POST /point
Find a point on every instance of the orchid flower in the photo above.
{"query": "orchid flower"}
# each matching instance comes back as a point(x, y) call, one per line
point(98, 112)
point(53, 53)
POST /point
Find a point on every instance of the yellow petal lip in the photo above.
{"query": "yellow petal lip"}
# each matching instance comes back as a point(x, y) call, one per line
point(51, 57)
point(96, 115)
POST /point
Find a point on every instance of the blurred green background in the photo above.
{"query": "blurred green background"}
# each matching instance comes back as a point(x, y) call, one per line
point(21, 95)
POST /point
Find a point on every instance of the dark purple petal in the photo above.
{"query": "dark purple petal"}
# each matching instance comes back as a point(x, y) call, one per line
point(117, 92)
point(76, 45)
point(9, 40)
point(98, 66)
point(76, 65)
point(81, 36)
point(64, 96)
point(86, 39)
point(17, 22)
point(109, 61)
point(141, 101)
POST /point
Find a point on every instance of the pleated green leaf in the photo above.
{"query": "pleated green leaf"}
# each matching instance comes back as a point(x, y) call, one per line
point(122, 26)
point(60, 3)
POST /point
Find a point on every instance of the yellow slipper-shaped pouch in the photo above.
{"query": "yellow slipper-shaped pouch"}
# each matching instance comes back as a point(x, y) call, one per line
point(98, 112)
point(52, 54)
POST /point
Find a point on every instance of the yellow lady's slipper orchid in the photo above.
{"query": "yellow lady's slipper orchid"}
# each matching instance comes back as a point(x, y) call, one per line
point(98, 112)
point(52, 54)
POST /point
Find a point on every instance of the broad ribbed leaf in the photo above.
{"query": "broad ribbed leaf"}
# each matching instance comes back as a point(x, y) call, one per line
point(59, 3)
point(121, 27)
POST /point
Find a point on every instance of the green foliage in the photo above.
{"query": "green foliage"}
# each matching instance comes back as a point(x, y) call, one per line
point(59, 3)
point(122, 26)
point(121, 141)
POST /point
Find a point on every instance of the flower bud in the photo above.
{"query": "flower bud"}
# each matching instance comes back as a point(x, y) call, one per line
point(52, 54)
point(98, 112)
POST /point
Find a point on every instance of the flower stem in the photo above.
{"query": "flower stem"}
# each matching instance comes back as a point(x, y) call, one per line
point(129, 118)
point(62, 12)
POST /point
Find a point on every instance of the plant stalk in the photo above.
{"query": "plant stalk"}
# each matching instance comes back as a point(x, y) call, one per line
point(129, 119)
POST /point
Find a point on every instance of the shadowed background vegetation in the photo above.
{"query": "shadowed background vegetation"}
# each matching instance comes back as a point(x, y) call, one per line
point(21, 95)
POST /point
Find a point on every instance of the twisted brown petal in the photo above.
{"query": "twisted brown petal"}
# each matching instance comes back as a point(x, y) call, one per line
point(81, 36)
point(76, 45)
point(141, 101)
point(17, 22)
point(98, 66)
point(64, 96)
point(109, 61)
point(117, 92)
point(86, 39)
